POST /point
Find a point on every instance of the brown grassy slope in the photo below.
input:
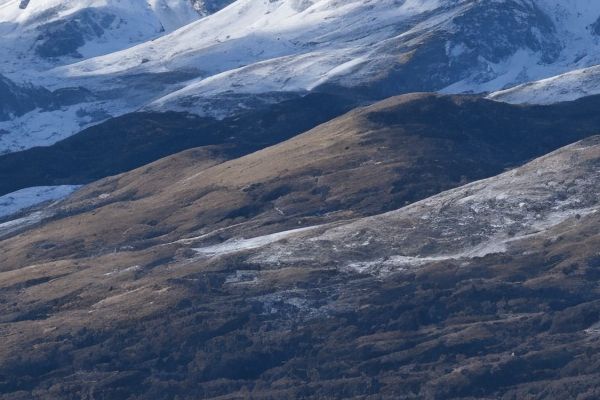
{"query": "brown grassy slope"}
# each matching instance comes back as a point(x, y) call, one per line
point(517, 324)
point(368, 161)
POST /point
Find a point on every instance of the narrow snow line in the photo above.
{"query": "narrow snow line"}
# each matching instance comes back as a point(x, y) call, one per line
point(15, 225)
point(204, 236)
point(237, 245)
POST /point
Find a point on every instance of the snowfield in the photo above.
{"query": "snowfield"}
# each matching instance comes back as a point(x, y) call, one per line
point(163, 55)
point(50, 32)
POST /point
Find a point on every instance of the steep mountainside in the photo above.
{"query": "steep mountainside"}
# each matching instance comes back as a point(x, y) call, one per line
point(36, 34)
point(257, 52)
point(484, 291)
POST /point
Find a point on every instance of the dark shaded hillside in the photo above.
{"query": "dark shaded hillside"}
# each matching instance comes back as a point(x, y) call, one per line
point(485, 135)
point(16, 100)
point(133, 140)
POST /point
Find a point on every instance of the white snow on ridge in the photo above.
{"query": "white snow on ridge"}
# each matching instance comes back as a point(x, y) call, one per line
point(566, 87)
point(25, 198)
point(120, 25)
point(256, 47)
point(250, 31)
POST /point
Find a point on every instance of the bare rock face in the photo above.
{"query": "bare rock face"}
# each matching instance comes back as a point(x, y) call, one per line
point(469, 43)
point(64, 37)
point(17, 100)
point(207, 7)
point(595, 27)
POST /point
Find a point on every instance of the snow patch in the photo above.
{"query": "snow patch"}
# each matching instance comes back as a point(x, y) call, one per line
point(25, 198)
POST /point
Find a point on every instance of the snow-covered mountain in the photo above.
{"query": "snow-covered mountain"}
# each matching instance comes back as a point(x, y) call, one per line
point(387, 47)
point(39, 34)
point(36, 36)
point(381, 48)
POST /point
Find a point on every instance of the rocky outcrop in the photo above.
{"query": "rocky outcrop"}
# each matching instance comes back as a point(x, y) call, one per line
point(17, 100)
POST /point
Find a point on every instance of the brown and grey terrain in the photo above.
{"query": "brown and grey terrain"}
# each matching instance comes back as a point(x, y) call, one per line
point(133, 140)
point(453, 139)
point(353, 261)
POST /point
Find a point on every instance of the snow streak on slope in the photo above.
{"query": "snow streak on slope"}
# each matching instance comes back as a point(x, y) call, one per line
point(238, 245)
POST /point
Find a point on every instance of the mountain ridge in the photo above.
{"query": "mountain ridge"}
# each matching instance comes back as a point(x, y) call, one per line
point(280, 49)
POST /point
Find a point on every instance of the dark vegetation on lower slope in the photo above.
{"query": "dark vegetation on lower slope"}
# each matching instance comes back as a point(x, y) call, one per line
point(108, 299)
point(520, 324)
